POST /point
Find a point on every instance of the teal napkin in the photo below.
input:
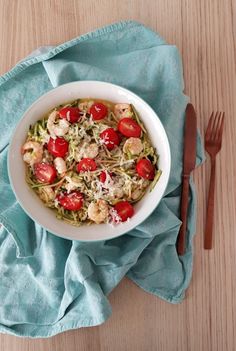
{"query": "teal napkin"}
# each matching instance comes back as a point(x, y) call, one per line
point(48, 284)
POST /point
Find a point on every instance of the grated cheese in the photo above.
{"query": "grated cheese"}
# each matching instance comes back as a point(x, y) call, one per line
point(68, 116)
point(114, 217)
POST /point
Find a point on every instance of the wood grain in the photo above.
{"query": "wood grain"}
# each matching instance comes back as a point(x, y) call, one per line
point(205, 33)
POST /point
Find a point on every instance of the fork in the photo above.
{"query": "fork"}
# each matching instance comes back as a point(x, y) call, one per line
point(213, 140)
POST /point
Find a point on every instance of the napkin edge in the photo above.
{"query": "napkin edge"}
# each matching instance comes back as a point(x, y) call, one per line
point(117, 26)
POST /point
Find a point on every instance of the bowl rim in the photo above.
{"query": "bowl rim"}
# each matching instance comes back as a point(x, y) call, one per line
point(47, 94)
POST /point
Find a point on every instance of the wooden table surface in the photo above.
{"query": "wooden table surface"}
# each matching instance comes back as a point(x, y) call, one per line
point(205, 33)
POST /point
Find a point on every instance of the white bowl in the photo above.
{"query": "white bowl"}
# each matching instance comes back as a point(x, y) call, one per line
point(30, 202)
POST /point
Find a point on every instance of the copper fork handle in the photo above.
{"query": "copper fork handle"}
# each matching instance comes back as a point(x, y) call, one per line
point(210, 207)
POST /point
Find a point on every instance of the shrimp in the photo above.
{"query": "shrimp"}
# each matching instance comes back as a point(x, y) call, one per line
point(59, 129)
point(133, 145)
point(123, 110)
point(117, 192)
point(50, 193)
point(32, 152)
point(72, 184)
point(46, 194)
point(60, 165)
point(98, 211)
point(85, 150)
point(79, 153)
point(136, 194)
point(91, 151)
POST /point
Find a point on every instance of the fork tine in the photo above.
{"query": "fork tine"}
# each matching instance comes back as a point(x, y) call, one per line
point(209, 126)
point(214, 127)
point(221, 127)
point(217, 127)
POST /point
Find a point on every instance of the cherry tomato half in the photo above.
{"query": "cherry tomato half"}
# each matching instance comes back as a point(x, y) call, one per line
point(110, 138)
point(145, 169)
point(86, 164)
point(71, 114)
point(72, 201)
point(129, 128)
point(124, 210)
point(45, 172)
point(103, 176)
point(98, 111)
point(58, 147)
